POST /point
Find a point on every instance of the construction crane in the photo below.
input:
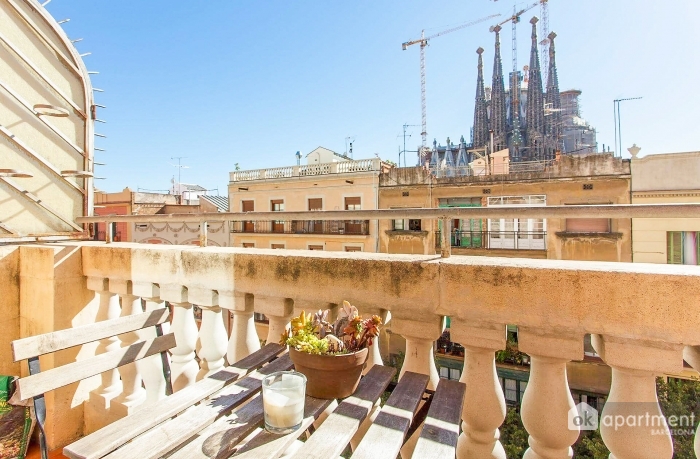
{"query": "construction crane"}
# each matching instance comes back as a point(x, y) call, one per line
point(515, 80)
point(423, 41)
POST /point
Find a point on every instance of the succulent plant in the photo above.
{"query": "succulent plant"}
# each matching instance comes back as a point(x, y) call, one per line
point(314, 334)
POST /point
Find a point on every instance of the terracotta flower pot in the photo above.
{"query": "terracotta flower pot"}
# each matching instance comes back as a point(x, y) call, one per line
point(330, 376)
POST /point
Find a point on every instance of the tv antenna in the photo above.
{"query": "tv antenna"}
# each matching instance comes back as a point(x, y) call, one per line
point(180, 167)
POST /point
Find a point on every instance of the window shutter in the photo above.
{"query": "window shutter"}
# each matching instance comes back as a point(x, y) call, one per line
point(674, 247)
point(316, 204)
point(354, 201)
point(588, 225)
point(248, 206)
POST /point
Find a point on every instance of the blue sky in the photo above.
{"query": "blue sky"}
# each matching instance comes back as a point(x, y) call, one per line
point(251, 82)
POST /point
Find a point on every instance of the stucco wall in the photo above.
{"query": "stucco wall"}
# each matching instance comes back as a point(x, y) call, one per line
point(54, 296)
point(670, 171)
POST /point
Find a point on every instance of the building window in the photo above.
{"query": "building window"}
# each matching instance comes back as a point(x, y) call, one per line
point(398, 225)
point(262, 318)
point(514, 233)
point(414, 225)
point(277, 205)
point(354, 203)
point(511, 390)
point(353, 249)
point(353, 226)
point(277, 246)
point(316, 204)
point(683, 247)
point(315, 247)
point(248, 245)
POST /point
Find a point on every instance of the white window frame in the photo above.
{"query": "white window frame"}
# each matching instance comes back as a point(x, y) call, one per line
point(504, 240)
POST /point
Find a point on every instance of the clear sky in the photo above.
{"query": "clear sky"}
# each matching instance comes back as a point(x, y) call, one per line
point(222, 82)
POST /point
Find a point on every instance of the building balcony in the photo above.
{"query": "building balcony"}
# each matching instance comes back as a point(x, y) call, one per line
point(509, 240)
point(642, 320)
point(328, 227)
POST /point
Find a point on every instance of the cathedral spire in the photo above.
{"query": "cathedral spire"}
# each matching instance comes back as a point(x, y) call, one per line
point(498, 97)
point(481, 121)
point(553, 118)
point(535, 103)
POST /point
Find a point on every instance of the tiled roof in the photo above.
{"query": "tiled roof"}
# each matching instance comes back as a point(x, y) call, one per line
point(221, 202)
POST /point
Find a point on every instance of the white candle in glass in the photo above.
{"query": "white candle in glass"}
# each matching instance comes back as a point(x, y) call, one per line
point(283, 401)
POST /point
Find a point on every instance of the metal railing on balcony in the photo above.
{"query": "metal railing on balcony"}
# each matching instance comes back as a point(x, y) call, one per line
point(348, 227)
point(496, 169)
point(516, 240)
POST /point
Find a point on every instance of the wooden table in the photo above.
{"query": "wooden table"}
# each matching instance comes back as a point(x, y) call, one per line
point(228, 423)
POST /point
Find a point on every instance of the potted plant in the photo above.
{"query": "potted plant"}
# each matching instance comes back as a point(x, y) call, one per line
point(331, 355)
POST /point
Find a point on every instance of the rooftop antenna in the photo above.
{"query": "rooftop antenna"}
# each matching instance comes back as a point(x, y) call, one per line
point(179, 171)
point(349, 139)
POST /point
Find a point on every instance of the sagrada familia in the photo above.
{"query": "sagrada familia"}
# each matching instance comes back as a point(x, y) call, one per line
point(526, 122)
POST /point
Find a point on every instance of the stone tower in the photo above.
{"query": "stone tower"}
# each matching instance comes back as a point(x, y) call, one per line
point(553, 118)
point(498, 98)
point(535, 132)
point(481, 121)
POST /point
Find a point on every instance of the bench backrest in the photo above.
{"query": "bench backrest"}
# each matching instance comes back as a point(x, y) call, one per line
point(31, 348)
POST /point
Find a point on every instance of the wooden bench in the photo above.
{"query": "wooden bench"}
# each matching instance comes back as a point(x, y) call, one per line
point(221, 416)
point(116, 434)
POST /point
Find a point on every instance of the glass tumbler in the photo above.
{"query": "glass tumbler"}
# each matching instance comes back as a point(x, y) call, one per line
point(283, 401)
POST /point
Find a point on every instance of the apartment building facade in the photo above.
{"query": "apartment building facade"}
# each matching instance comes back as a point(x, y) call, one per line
point(670, 178)
point(569, 180)
point(338, 184)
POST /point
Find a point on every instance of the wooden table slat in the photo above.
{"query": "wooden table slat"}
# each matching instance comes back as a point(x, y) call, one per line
point(386, 435)
point(438, 439)
point(335, 433)
point(267, 445)
point(114, 435)
point(171, 434)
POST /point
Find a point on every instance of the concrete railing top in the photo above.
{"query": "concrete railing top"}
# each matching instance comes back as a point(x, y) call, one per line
point(647, 302)
point(575, 211)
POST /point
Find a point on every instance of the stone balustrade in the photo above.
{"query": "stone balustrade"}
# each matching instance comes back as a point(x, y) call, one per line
point(642, 318)
point(342, 167)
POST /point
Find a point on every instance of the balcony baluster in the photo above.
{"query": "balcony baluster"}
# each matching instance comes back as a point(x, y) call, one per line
point(633, 396)
point(184, 365)
point(152, 367)
point(420, 337)
point(484, 404)
point(278, 311)
point(109, 308)
point(133, 393)
point(547, 401)
point(244, 338)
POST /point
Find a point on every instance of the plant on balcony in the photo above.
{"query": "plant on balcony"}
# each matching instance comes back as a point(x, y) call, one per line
point(331, 355)
point(512, 355)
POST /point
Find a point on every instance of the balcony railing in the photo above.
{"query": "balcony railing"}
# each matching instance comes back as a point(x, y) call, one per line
point(516, 240)
point(347, 227)
point(641, 318)
point(343, 167)
point(496, 169)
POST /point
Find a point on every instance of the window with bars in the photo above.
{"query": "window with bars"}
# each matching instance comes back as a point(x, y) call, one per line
point(683, 247)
